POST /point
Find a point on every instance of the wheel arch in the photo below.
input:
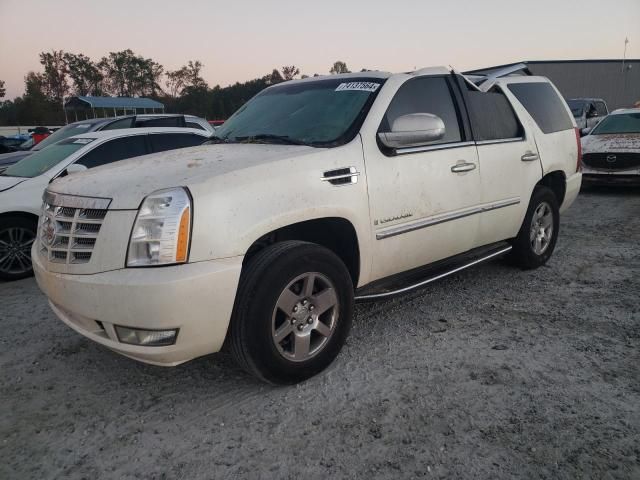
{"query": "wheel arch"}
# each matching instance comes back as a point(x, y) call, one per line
point(335, 233)
point(19, 214)
point(556, 181)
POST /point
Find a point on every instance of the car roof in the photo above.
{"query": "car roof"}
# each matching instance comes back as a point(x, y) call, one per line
point(127, 132)
point(622, 111)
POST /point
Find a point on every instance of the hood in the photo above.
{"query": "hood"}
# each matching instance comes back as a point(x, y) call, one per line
point(7, 159)
point(128, 182)
point(625, 142)
point(9, 182)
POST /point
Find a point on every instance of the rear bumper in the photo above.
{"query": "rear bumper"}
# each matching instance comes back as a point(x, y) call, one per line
point(574, 182)
point(195, 298)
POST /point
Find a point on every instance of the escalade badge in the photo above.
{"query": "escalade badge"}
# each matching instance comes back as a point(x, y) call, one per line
point(611, 158)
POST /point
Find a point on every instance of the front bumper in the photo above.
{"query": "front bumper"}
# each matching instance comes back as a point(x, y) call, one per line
point(196, 298)
point(611, 177)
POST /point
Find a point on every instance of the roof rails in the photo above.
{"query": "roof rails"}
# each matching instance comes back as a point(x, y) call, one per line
point(486, 81)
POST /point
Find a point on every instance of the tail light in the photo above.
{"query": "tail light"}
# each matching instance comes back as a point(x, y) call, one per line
point(579, 160)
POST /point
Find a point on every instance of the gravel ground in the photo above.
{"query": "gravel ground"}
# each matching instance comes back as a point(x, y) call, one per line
point(493, 373)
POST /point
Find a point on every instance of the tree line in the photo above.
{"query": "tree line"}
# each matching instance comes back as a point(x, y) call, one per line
point(126, 74)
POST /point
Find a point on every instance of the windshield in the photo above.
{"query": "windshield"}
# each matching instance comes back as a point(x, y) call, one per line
point(320, 113)
point(65, 132)
point(43, 160)
point(620, 123)
point(577, 107)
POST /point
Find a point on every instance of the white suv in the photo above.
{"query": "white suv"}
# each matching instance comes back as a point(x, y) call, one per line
point(316, 193)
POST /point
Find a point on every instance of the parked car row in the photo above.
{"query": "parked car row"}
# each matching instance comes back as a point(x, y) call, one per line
point(315, 194)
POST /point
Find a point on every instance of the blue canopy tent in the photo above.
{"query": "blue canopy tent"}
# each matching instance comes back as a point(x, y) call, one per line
point(111, 105)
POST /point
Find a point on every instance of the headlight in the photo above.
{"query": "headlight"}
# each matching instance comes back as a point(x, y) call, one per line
point(162, 230)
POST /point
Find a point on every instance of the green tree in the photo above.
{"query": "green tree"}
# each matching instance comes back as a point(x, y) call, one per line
point(289, 72)
point(3, 90)
point(339, 67)
point(128, 75)
point(55, 84)
point(85, 75)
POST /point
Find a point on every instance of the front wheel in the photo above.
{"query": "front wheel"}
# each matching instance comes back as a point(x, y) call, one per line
point(17, 235)
point(292, 313)
point(538, 234)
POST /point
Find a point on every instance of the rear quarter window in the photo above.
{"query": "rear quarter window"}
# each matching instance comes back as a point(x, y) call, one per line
point(543, 104)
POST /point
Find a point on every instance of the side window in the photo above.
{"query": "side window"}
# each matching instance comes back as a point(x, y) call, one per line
point(176, 121)
point(492, 117)
point(118, 124)
point(601, 108)
point(195, 125)
point(114, 150)
point(425, 95)
point(543, 104)
point(161, 142)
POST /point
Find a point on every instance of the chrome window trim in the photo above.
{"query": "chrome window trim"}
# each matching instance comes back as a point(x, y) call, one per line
point(502, 140)
point(431, 148)
point(446, 217)
point(75, 201)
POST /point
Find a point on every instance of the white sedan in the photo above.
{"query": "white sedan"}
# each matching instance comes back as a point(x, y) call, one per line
point(22, 184)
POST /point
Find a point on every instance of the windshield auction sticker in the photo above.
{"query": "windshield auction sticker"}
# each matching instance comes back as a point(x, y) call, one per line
point(358, 87)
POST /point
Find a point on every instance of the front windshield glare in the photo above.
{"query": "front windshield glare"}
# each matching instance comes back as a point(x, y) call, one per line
point(621, 123)
point(43, 160)
point(320, 113)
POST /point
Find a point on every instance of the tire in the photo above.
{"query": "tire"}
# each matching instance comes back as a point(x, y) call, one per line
point(534, 244)
point(274, 318)
point(17, 234)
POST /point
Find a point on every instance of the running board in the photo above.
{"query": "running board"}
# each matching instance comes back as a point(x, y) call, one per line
point(407, 281)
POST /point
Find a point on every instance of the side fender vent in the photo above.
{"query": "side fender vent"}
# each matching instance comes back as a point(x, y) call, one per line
point(341, 176)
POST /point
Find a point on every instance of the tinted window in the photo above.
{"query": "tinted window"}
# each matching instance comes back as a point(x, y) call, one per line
point(114, 150)
point(195, 125)
point(161, 142)
point(425, 95)
point(618, 123)
point(601, 108)
point(492, 117)
point(543, 104)
point(118, 124)
point(66, 132)
point(161, 122)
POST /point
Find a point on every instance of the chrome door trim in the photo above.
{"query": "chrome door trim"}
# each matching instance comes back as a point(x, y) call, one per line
point(431, 148)
point(446, 217)
point(503, 140)
point(375, 296)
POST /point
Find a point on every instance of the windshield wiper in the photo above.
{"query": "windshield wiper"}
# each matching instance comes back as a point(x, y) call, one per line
point(271, 138)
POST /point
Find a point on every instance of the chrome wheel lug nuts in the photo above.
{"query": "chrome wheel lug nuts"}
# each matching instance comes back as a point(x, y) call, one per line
point(300, 327)
point(295, 309)
point(293, 321)
point(309, 320)
point(311, 307)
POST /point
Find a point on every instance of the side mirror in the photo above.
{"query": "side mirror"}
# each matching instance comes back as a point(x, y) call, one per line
point(413, 130)
point(75, 168)
point(584, 131)
point(592, 114)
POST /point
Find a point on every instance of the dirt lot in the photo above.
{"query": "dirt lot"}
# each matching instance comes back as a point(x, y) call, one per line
point(494, 373)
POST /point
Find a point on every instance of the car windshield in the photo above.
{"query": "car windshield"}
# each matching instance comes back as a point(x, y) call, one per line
point(65, 132)
point(43, 160)
point(620, 123)
point(577, 107)
point(319, 113)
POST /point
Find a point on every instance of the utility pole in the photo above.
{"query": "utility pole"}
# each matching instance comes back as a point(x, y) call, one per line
point(624, 54)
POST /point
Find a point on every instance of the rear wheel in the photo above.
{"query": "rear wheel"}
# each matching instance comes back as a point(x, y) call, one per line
point(538, 234)
point(293, 312)
point(17, 235)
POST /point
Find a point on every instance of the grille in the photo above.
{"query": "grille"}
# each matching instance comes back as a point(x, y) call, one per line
point(68, 235)
point(612, 161)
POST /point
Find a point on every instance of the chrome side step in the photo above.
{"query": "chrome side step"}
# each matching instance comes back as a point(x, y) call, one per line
point(386, 294)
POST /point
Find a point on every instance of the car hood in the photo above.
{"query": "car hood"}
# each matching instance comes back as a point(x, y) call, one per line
point(128, 182)
point(9, 182)
point(626, 142)
point(7, 159)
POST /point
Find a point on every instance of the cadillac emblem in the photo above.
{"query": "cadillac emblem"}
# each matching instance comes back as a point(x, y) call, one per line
point(611, 159)
point(48, 232)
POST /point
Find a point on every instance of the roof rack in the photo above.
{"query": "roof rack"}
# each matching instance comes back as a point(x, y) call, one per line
point(486, 81)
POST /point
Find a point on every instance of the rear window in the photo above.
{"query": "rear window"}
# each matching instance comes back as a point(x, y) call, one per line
point(544, 105)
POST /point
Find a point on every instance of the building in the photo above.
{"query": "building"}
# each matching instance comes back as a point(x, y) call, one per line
point(616, 81)
point(91, 107)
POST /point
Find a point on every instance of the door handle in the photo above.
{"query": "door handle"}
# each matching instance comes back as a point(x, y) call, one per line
point(529, 157)
point(463, 167)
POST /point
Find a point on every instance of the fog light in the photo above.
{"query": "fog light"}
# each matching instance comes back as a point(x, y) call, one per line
point(147, 338)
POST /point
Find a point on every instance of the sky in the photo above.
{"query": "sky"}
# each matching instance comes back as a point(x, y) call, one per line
point(238, 40)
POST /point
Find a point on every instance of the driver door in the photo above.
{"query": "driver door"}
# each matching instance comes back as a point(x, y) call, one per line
point(422, 198)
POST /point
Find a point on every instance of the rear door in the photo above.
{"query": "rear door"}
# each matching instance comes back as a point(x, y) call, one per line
point(115, 150)
point(508, 158)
